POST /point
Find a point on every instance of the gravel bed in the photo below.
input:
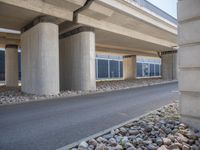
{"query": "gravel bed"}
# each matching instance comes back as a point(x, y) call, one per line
point(124, 84)
point(160, 130)
point(14, 95)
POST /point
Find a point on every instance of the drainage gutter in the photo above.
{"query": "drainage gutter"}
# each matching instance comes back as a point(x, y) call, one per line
point(79, 10)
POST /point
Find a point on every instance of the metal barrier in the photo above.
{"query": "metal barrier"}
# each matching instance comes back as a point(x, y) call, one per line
point(156, 10)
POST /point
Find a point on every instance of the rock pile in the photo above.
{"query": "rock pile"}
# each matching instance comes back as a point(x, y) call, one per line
point(123, 84)
point(161, 130)
point(14, 95)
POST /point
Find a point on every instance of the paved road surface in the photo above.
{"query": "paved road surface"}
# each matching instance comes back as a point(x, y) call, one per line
point(48, 125)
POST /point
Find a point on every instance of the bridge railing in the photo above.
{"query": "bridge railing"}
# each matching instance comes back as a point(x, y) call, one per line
point(156, 10)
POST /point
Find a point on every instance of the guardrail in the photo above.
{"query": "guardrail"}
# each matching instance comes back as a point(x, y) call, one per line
point(155, 9)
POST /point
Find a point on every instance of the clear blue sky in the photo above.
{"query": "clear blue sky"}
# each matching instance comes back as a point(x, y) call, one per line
point(168, 6)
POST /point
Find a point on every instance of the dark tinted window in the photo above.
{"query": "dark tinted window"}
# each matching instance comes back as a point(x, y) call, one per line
point(152, 70)
point(102, 68)
point(157, 70)
point(146, 69)
point(121, 69)
point(139, 69)
point(114, 69)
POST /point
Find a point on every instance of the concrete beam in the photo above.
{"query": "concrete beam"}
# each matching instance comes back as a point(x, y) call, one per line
point(9, 38)
point(106, 26)
point(133, 10)
point(43, 7)
point(124, 50)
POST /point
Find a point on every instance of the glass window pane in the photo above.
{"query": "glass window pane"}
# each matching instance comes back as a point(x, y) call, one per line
point(102, 68)
point(121, 69)
point(139, 69)
point(152, 70)
point(146, 69)
point(2, 65)
point(157, 70)
point(114, 69)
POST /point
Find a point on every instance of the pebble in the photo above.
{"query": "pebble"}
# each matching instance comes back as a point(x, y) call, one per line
point(113, 142)
point(131, 148)
point(152, 132)
point(83, 145)
point(101, 140)
point(133, 132)
point(159, 141)
point(151, 147)
point(92, 142)
point(185, 147)
point(118, 147)
point(123, 131)
point(101, 147)
point(14, 95)
point(163, 147)
point(167, 141)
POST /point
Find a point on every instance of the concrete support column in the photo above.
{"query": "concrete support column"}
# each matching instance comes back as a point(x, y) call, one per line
point(129, 67)
point(77, 59)
point(11, 66)
point(189, 61)
point(169, 65)
point(40, 59)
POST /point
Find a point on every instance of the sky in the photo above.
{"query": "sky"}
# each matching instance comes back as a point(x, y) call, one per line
point(168, 6)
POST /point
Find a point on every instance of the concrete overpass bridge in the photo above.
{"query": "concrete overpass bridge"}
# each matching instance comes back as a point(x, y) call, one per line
point(62, 37)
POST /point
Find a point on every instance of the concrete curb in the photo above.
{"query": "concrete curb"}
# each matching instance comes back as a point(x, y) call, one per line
point(89, 93)
point(67, 147)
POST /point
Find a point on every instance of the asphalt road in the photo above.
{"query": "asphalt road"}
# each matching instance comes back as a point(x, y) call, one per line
point(47, 125)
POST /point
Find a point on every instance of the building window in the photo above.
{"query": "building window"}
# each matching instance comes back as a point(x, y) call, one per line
point(109, 67)
point(152, 70)
point(148, 67)
point(139, 70)
point(145, 69)
point(102, 68)
point(157, 70)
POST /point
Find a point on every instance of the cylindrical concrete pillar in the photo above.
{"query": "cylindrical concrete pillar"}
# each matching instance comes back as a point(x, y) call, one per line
point(169, 65)
point(11, 66)
point(77, 59)
point(129, 67)
point(40, 59)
